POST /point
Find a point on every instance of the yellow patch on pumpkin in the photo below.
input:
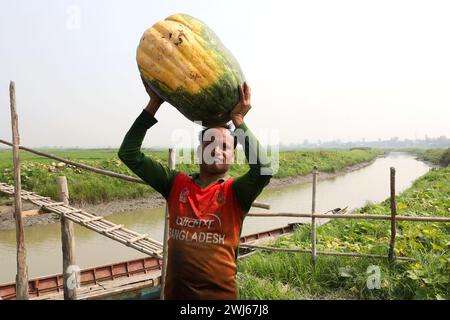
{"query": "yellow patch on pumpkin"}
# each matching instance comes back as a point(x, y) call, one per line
point(173, 53)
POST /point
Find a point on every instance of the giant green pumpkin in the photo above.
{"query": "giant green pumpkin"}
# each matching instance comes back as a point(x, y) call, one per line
point(187, 65)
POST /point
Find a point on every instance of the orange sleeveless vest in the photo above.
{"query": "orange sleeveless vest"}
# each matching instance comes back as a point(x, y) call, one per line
point(204, 231)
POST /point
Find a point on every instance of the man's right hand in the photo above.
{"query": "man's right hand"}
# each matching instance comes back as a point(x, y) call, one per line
point(155, 100)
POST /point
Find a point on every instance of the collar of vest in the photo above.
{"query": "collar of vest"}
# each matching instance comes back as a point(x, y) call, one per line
point(196, 176)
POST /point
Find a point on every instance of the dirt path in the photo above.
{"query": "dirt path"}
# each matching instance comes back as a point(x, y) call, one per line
point(153, 200)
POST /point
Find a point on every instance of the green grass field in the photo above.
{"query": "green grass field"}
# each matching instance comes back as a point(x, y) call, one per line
point(436, 156)
point(283, 275)
point(38, 174)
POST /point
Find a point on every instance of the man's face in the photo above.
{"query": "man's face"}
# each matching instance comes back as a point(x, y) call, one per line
point(217, 150)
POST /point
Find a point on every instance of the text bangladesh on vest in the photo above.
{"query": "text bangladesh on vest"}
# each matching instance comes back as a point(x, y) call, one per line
point(204, 237)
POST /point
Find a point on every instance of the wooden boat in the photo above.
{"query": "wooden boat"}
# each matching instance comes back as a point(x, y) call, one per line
point(134, 279)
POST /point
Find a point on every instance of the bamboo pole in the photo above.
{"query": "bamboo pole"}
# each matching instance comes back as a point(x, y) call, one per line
point(327, 253)
point(22, 268)
point(79, 165)
point(313, 219)
point(172, 160)
point(351, 216)
point(67, 242)
point(101, 171)
point(261, 205)
point(393, 216)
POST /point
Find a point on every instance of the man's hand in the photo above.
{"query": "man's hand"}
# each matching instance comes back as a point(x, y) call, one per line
point(240, 110)
point(155, 100)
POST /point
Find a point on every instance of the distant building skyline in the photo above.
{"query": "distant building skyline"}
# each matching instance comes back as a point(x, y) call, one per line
point(394, 142)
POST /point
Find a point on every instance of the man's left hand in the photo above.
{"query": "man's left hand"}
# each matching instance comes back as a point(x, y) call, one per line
point(243, 106)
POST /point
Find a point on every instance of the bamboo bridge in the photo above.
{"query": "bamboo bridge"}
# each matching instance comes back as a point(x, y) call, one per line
point(140, 242)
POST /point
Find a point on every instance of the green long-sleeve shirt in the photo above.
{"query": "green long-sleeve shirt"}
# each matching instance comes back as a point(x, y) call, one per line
point(246, 187)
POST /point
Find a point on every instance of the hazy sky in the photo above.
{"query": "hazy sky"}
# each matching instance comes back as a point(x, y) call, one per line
point(318, 69)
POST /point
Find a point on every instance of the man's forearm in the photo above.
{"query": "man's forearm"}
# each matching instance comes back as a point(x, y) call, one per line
point(250, 185)
point(130, 149)
point(152, 107)
point(155, 174)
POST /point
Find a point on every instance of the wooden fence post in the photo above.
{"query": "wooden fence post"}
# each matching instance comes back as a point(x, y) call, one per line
point(68, 243)
point(313, 219)
point(22, 268)
point(393, 216)
point(172, 160)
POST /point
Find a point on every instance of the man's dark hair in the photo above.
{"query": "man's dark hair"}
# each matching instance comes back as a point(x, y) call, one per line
point(226, 126)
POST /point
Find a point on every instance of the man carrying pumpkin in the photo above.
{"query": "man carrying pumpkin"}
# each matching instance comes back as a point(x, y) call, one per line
point(207, 208)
